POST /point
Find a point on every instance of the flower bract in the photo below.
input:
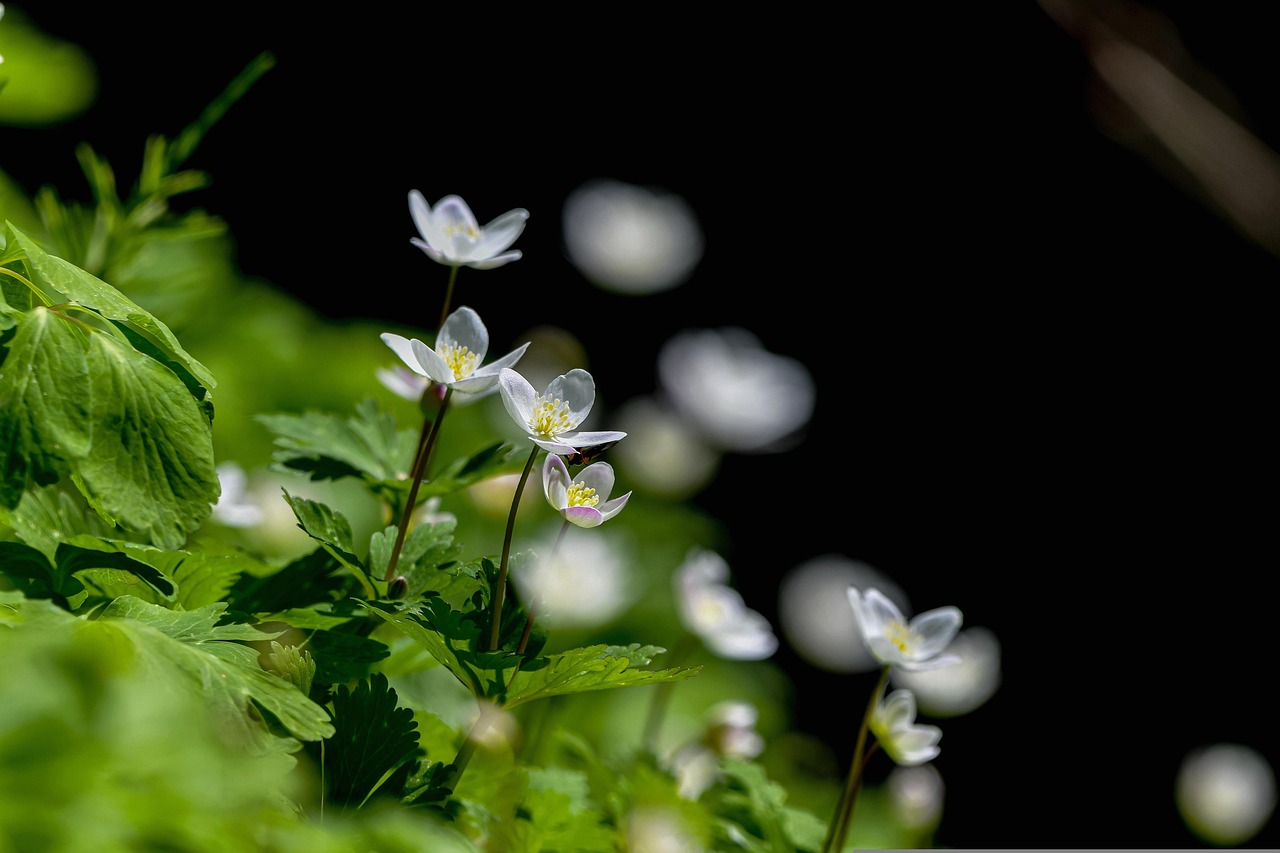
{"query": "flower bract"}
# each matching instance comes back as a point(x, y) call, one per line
point(450, 234)
point(551, 419)
point(893, 722)
point(455, 361)
point(582, 500)
point(893, 641)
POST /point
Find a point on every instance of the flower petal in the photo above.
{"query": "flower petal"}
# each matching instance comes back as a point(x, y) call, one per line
point(936, 629)
point(499, 234)
point(611, 508)
point(403, 347)
point(578, 391)
point(579, 440)
point(598, 476)
point(583, 516)
point(497, 261)
point(517, 396)
point(463, 328)
point(555, 482)
point(432, 364)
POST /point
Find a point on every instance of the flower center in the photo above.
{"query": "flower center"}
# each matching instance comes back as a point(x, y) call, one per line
point(899, 635)
point(454, 228)
point(549, 418)
point(580, 494)
point(460, 360)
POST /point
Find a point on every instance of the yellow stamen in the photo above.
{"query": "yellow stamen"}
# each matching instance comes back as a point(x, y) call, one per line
point(549, 418)
point(899, 635)
point(460, 360)
point(580, 494)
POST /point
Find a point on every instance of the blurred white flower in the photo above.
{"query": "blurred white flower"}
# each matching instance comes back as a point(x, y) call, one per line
point(235, 506)
point(586, 582)
point(716, 612)
point(657, 829)
point(730, 733)
point(893, 722)
point(403, 382)
point(916, 795)
point(894, 641)
point(739, 395)
point(960, 688)
point(630, 239)
point(663, 453)
point(451, 235)
point(814, 611)
point(1226, 793)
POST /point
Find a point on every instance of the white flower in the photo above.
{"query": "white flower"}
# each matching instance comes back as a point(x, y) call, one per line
point(403, 382)
point(631, 239)
point(583, 500)
point(235, 508)
point(455, 361)
point(893, 722)
point(451, 235)
point(717, 613)
point(894, 641)
point(742, 397)
point(551, 419)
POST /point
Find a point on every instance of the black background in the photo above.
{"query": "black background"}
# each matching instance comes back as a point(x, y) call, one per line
point(1042, 366)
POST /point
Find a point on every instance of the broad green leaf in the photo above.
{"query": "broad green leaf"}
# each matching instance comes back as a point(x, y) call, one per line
point(195, 578)
point(45, 404)
point(374, 741)
point(427, 548)
point(194, 647)
point(152, 467)
point(332, 530)
point(88, 290)
point(46, 516)
point(311, 580)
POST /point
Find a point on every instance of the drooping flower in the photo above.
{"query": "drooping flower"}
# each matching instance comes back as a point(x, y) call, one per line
point(893, 641)
point(455, 362)
point(582, 500)
point(717, 613)
point(893, 722)
point(450, 234)
point(551, 419)
point(403, 382)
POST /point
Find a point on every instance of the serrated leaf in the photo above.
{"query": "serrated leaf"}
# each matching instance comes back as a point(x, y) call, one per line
point(46, 516)
point(194, 578)
point(227, 672)
point(312, 579)
point(582, 670)
point(45, 404)
point(561, 816)
point(328, 447)
point(151, 468)
point(372, 739)
point(88, 290)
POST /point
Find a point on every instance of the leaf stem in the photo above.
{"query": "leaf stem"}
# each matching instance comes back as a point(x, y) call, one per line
point(838, 832)
point(426, 442)
point(500, 589)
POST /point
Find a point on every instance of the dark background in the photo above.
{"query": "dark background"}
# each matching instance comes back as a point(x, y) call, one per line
point(1042, 364)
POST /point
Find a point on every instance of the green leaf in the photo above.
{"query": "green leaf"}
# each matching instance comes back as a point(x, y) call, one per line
point(327, 447)
point(46, 516)
point(88, 290)
point(45, 405)
point(372, 740)
point(187, 580)
point(29, 570)
point(598, 667)
point(561, 816)
point(152, 466)
point(427, 548)
point(192, 646)
point(310, 580)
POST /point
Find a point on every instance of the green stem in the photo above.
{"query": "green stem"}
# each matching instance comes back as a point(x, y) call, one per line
point(839, 829)
point(530, 609)
point(426, 442)
point(448, 295)
point(662, 695)
point(500, 589)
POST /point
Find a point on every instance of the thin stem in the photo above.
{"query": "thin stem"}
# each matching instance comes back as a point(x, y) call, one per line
point(426, 442)
point(500, 589)
point(448, 295)
point(468, 748)
point(839, 830)
point(662, 695)
point(530, 609)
